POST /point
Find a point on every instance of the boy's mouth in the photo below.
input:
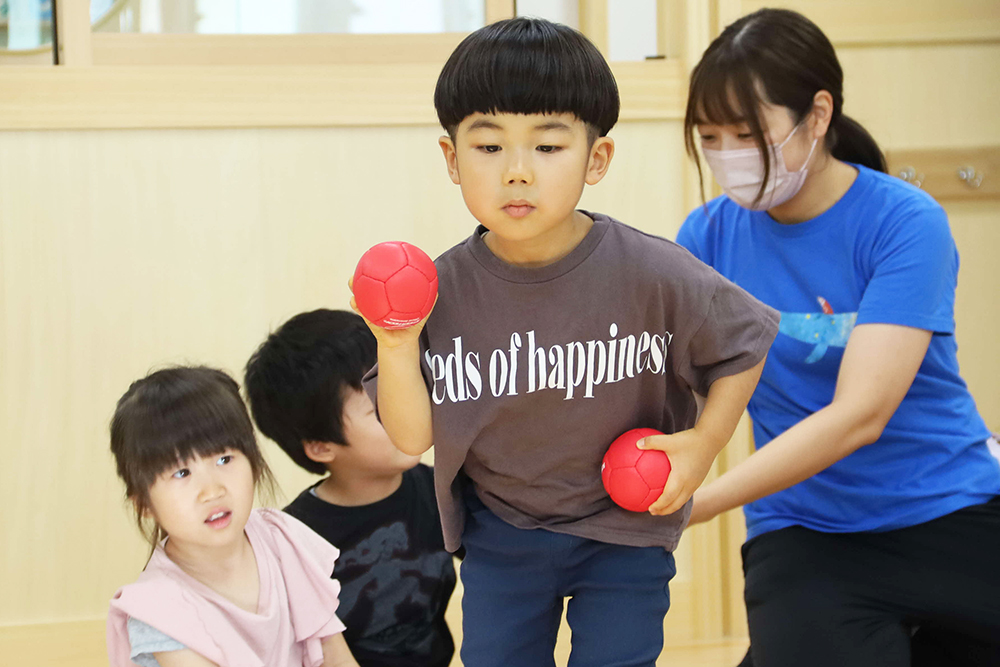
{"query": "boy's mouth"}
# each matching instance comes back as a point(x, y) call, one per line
point(518, 209)
point(219, 519)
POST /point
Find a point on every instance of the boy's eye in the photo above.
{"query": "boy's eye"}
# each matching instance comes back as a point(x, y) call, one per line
point(548, 149)
point(489, 149)
point(182, 473)
point(745, 136)
point(224, 459)
point(707, 137)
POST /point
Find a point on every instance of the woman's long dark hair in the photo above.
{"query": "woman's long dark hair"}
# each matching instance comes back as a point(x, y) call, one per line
point(779, 57)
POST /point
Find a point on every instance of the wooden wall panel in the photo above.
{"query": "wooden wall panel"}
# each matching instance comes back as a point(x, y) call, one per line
point(976, 228)
point(868, 23)
point(126, 250)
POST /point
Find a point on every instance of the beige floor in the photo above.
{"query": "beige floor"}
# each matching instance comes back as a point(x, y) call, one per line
point(81, 644)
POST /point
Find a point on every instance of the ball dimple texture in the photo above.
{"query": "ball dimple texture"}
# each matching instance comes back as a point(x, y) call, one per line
point(371, 292)
point(395, 284)
point(407, 290)
point(629, 488)
point(383, 260)
point(633, 477)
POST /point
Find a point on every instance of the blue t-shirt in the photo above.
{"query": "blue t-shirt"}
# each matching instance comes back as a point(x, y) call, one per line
point(882, 254)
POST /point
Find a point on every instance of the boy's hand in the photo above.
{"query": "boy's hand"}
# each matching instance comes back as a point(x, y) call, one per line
point(691, 456)
point(390, 338)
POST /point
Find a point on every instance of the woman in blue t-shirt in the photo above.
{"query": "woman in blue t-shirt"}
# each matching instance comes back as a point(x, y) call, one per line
point(872, 504)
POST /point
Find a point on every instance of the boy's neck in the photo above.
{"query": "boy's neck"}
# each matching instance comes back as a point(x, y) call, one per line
point(355, 490)
point(543, 250)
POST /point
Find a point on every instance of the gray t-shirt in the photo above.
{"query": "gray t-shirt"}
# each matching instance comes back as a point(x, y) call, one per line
point(532, 373)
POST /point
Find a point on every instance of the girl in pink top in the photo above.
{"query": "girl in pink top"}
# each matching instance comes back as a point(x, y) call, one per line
point(226, 585)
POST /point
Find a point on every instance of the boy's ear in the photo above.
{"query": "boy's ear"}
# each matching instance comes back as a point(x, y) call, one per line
point(600, 159)
point(320, 452)
point(450, 158)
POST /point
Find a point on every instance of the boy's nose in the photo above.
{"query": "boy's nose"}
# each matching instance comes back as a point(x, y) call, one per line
point(518, 172)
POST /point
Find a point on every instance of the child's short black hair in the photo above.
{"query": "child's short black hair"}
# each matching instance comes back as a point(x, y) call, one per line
point(296, 379)
point(526, 66)
point(171, 416)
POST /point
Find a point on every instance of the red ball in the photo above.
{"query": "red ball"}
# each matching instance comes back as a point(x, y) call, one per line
point(633, 477)
point(395, 284)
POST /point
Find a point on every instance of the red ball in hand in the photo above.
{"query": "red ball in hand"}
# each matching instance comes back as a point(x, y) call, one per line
point(633, 477)
point(395, 284)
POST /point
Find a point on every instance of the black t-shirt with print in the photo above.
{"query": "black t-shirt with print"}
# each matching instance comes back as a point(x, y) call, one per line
point(396, 577)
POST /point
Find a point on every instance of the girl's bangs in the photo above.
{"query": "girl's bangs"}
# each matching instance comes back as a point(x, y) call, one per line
point(175, 434)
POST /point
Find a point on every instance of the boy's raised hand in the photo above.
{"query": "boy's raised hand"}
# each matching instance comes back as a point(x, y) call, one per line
point(691, 455)
point(390, 338)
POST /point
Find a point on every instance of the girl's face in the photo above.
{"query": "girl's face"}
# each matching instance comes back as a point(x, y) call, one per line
point(206, 501)
point(777, 122)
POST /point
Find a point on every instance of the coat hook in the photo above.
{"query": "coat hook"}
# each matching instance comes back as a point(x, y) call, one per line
point(910, 175)
point(972, 178)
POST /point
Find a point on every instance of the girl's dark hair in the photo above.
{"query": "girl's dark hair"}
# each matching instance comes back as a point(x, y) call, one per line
point(526, 66)
point(780, 57)
point(297, 378)
point(171, 416)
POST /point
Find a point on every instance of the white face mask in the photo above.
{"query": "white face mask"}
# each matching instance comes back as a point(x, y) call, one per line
point(740, 173)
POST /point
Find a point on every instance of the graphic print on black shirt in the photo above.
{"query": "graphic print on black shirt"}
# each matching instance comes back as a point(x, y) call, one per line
point(395, 576)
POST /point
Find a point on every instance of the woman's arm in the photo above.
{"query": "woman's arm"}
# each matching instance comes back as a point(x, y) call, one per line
point(336, 653)
point(877, 369)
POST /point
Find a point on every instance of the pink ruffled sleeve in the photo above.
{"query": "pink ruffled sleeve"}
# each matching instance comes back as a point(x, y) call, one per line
point(306, 561)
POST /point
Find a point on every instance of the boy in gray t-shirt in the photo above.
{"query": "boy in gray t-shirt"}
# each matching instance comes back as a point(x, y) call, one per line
point(556, 330)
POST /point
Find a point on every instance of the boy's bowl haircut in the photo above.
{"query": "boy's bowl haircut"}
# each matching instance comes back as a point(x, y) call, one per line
point(527, 66)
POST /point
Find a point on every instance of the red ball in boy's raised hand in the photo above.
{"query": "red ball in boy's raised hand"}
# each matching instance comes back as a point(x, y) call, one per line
point(395, 284)
point(633, 477)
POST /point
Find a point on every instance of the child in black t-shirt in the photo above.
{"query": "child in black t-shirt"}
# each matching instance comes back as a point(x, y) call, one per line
point(376, 504)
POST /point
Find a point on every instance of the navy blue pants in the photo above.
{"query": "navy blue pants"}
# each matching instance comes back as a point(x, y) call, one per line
point(515, 582)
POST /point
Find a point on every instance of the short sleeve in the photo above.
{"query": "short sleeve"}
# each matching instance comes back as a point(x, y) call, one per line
point(145, 640)
point(734, 336)
point(913, 265)
point(306, 562)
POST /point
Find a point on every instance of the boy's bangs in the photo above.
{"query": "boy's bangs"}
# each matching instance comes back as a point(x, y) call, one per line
point(528, 83)
point(527, 66)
